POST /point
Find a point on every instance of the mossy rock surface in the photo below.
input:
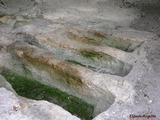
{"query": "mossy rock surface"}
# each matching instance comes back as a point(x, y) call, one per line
point(94, 55)
point(32, 89)
point(99, 39)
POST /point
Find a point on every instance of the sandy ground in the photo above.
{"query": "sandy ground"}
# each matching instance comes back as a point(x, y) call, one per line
point(138, 92)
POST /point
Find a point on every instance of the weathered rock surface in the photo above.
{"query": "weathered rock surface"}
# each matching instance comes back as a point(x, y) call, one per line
point(28, 8)
point(5, 84)
point(14, 107)
point(62, 75)
point(64, 28)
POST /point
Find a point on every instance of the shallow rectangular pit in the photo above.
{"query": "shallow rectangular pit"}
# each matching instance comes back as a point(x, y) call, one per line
point(101, 62)
point(33, 89)
point(96, 38)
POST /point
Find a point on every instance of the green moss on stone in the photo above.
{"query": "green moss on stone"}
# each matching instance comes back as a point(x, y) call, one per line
point(32, 89)
point(93, 55)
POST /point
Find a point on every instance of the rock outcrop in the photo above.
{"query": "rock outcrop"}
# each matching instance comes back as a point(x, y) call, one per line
point(87, 56)
point(62, 75)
